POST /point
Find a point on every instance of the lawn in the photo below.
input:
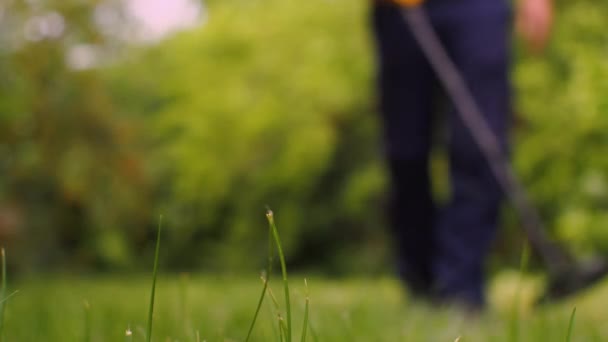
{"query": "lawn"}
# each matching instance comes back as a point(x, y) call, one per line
point(220, 308)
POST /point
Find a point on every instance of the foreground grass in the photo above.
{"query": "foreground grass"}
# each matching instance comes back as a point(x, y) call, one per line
point(73, 308)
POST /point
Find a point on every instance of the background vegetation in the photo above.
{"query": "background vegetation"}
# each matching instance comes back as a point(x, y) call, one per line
point(270, 102)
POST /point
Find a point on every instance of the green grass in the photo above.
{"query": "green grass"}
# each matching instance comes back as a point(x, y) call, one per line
point(2, 291)
point(285, 329)
point(154, 277)
point(571, 325)
point(265, 277)
point(277, 241)
point(220, 308)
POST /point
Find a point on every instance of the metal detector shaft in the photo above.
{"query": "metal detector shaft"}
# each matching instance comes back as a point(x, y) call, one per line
point(555, 258)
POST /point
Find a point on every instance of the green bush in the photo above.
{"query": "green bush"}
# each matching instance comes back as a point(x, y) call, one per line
point(267, 104)
point(562, 145)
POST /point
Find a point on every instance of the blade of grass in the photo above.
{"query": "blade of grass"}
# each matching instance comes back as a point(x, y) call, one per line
point(3, 272)
point(514, 322)
point(257, 309)
point(305, 324)
point(273, 310)
point(154, 274)
point(265, 280)
point(277, 311)
point(275, 302)
point(184, 309)
point(282, 328)
point(571, 325)
point(277, 240)
point(129, 335)
point(5, 299)
point(3, 294)
point(87, 321)
point(313, 332)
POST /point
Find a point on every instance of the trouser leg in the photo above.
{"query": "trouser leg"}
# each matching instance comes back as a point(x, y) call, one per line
point(479, 47)
point(405, 83)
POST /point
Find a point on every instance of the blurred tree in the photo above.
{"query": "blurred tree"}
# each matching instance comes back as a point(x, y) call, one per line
point(68, 173)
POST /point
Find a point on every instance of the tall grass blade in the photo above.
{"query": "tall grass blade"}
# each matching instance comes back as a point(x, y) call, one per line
point(265, 279)
point(154, 274)
point(571, 325)
point(3, 297)
point(128, 335)
point(275, 302)
point(277, 240)
point(305, 324)
point(87, 321)
point(273, 310)
point(313, 332)
point(282, 329)
point(257, 309)
point(514, 322)
point(184, 309)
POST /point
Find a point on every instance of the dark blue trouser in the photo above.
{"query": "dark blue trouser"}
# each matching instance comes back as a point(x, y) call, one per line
point(442, 250)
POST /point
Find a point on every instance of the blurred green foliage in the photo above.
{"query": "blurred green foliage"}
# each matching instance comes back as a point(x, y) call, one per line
point(270, 102)
point(68, 178)
point(262, 106)
point(562, 146)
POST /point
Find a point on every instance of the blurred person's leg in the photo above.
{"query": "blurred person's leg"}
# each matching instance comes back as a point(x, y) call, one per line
point(405, 82)
point(478, 42)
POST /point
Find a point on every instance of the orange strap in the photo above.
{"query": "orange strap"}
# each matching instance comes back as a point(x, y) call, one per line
point(408, 3)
